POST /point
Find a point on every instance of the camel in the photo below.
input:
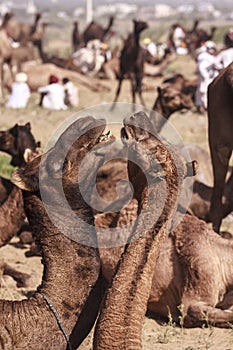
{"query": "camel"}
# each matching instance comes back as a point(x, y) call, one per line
point(18, 141)
point(37, 40)
point(95, 31)
point(134, 273)
point(132, 62)
point(168, 101)
point(61, 311)
point(20, 32)
point(9, 54)
point(5, 57)
point(12, 217)
point(220, 128)
point(38, 76)
point(76, 40)
point(193, 270)
point(197, 36)
point(11, 213)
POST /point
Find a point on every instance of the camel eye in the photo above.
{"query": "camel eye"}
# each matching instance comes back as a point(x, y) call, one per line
point(168, 98)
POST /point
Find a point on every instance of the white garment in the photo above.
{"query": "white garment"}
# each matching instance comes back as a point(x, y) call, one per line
point(178, 36)
point(20, 94)
point(152, 48)
point(225, 57)
point(54, 98)
point(207, 69)
point(71, 93)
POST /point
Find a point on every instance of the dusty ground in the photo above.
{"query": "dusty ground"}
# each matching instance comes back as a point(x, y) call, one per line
point(192, 127)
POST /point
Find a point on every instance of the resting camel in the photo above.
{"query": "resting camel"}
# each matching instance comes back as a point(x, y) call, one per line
point(220, 131)
point(132, 280)
point(95, 31)
point(168, 101)
point(62, 310)
point(12, 217)
point(18, 141)
point(11, 212)
point(193, 268)
point(132, 62)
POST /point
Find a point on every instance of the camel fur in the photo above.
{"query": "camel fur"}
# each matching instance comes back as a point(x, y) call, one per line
point(71, 270)
point(193, 270)
point(132, 279)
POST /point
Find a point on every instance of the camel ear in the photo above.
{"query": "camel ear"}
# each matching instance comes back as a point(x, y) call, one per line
point(27, 178)
point(191, 168)
point(28, 126)
point(159, 90)
point(27, 156)
point(14, 130)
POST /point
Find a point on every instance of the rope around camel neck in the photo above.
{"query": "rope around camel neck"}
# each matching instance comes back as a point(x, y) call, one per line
point(57, 319)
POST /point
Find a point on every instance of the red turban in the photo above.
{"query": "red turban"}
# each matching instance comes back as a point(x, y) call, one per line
point(53, 79)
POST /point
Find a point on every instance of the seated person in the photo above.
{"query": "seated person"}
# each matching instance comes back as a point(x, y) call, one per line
point(71, 93)
point(20, 92)
point(52, 95)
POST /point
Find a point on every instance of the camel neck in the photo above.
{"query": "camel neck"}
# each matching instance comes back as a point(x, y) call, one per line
point(70, 268)
point(136, 38)
point(159, 107)
point(132, 283)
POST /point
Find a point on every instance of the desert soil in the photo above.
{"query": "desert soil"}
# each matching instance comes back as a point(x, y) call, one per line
point(192, 127)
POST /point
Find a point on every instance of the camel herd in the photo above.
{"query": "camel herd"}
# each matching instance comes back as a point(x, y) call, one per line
point(171, 256)
point(163, 265)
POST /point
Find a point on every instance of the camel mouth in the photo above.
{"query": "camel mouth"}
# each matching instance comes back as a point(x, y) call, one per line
point(105, 137)
point(126, 135)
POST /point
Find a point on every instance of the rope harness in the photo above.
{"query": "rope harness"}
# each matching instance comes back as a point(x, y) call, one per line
point(58, 320)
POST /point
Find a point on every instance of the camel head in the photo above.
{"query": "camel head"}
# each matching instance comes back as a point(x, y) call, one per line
point(173, 100)
point(84, 137)
point(16, 141)
point(153, 158)
point(139, 26)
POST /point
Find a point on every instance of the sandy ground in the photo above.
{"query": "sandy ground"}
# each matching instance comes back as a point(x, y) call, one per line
point(192, 127)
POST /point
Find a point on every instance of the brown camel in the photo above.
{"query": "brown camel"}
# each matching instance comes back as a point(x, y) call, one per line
point(11, 213)
point(133, 277)
point(18, 141)
point(5, 57)
point(56, 315)
point(37, 40)
point(95, 31)
point(76, 38)
point(132, 62)
point(168, 101)
point(193, 270)
point(20, 32)
point(12, 217)
point(220, 137)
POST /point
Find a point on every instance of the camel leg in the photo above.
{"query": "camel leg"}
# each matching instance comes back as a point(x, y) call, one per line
point(220, 156)
point(139, 88)
point(117, 92)
point(199, 313)
point(11, 71)
point(2, 80)
point(133, 88)
point(20, 277)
